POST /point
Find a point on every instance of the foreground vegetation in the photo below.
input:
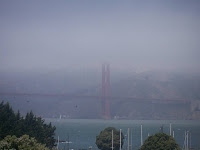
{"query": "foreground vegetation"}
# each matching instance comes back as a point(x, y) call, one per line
point(104, 139)
point(31, 133)
point(17, 127)
point(160, 141)
point(21, 143)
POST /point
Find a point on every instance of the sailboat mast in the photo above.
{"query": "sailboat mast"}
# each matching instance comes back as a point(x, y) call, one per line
point(187, 140)
point(112, 139)
point(131, 139)
point(120, 144)
point(141, 137)
point(190, 139)
point(128, 138)
point(185, 143)
point(58, 143)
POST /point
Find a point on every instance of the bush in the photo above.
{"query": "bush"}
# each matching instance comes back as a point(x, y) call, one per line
point(160, 141)
point(104, 139)
point(23, 142)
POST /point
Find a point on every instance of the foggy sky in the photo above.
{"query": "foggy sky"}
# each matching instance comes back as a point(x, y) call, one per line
point(48, 35)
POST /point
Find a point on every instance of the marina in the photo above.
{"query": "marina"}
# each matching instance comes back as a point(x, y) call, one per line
point(82, 132)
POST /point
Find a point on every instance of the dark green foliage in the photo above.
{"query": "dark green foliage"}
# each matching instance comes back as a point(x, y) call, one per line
point(160, 141)
point(104, 139)
point(7, 119)
point(14, 124)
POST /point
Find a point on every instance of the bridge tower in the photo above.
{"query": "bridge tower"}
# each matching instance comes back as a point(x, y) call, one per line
point(106, 91)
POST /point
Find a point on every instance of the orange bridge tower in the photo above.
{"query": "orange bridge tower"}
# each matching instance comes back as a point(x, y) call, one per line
point(106, 91)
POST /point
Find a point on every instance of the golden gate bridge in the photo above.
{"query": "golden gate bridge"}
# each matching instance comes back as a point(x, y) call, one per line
point(105, 96)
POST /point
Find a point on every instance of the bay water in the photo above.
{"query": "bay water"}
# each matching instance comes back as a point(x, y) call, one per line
point(82, 132)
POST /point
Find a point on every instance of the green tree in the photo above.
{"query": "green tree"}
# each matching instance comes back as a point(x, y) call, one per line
point(160, 141)
point(21, 143)
point(14, 124)
point(7, 120)
point(35, 127)
point(104, 139)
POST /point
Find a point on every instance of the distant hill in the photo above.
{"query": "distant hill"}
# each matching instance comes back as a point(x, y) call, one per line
point(55, 82)
point(161, 85)
point(152, 84)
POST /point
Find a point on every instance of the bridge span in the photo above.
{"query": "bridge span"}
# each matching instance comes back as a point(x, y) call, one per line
point(111, 98)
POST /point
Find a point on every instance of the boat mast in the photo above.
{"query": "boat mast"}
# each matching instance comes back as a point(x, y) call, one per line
point(131, 138)
point(141, 137)
point(120, 140)
point(58, 143)
point(187, 140)
point(112, 139)
point(190, 139)
point(128, 138)
point(68, 142)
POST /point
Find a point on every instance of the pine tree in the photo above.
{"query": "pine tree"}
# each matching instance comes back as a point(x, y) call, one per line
point(14, 124)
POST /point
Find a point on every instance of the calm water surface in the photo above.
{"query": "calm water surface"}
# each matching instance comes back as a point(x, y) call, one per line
point(82, 132)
